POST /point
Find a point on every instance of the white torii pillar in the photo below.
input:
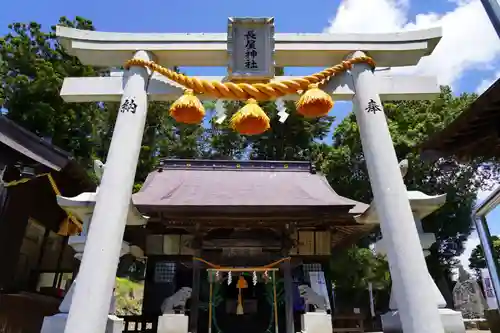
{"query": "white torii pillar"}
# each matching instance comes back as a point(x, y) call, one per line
point(406, 261)
point(89, 310)
point(96, 277)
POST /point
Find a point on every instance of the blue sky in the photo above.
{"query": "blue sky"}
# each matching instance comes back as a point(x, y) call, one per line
point(468, 57)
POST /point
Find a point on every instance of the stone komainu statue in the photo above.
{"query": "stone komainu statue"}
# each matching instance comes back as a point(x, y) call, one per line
point(176, 301)
point(311, 297)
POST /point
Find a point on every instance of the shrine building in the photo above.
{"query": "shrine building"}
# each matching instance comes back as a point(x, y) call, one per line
point(235, 219)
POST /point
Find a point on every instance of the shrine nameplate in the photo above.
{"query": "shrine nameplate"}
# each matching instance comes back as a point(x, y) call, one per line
point(250, 46)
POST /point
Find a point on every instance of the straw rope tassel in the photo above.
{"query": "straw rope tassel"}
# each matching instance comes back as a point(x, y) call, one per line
point(187, 109)
point(241, 284)
point(314, 102)
point(250, 119)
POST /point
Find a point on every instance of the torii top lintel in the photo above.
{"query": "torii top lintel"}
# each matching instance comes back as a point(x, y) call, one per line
point(110, 49)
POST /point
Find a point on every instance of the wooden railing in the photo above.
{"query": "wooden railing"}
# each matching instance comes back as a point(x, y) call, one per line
point(140, 324)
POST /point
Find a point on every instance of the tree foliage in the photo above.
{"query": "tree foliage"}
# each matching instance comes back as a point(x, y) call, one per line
point(33, 68)
point(356, 267)
point(410, 123)
point(477, 260)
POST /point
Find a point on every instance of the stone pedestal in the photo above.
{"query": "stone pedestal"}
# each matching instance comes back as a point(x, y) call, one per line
point(173, 323)
point(114, 324)
point(316, 322)
point(57, 324)
point(452, 321)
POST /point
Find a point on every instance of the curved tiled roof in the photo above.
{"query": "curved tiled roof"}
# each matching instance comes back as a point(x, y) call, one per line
point(236, 183)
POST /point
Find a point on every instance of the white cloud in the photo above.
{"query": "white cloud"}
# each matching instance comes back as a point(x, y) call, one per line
point(486, 83)
point(469, 245)
point(469, 41)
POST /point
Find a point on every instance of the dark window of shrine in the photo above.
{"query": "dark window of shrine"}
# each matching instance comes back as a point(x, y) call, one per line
point(165, 272)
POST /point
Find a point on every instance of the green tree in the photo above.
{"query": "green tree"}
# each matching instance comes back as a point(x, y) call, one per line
point(410, 123)
point(356, 267)
point(295, 139)
point(352, 270)
point(33, 68)
point(477, 260)
point(223, 142)
point(292, 140)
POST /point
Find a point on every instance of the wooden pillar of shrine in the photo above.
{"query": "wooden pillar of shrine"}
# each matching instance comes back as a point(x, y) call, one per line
point(195, 293)
point(288, 282)
point(288, 287)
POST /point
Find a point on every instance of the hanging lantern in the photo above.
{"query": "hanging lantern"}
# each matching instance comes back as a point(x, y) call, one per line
point(314, 102)
point(250, 120)
point(229, 278)
point(187, 109)
point(254, 278)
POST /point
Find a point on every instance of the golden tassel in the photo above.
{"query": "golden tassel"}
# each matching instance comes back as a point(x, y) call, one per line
point(250, 119)
point(314, 102)
point(242, 284)
point(239, 308)
point(187, 109)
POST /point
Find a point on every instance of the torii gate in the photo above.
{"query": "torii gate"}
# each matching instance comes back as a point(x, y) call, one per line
point(361, 84)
